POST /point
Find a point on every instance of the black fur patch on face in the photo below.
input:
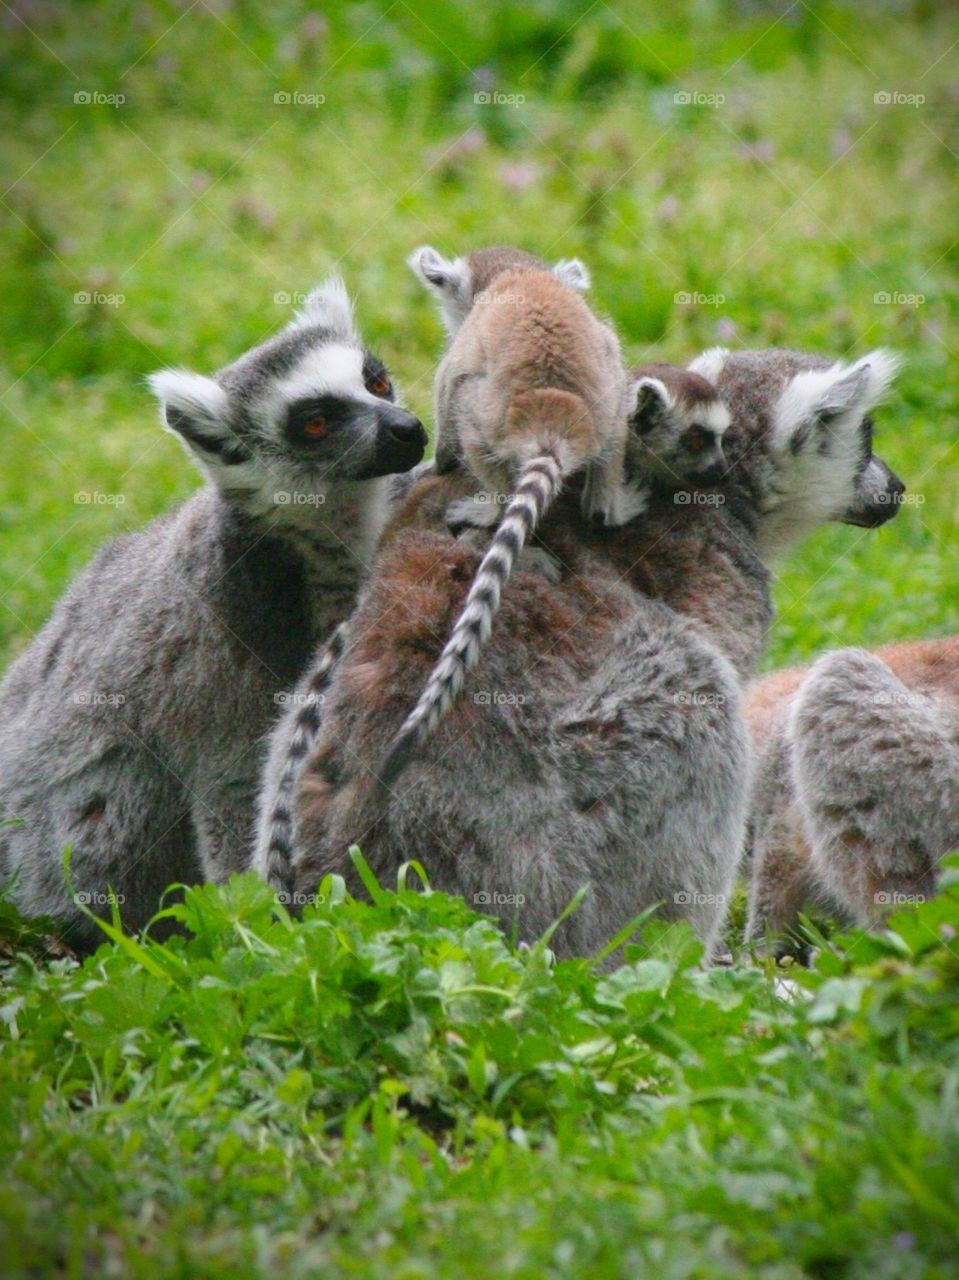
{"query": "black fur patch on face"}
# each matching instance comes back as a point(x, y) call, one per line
point(313, 421)
point(377, 376)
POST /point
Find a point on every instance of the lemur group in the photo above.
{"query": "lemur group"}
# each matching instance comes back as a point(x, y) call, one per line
point(529, 663)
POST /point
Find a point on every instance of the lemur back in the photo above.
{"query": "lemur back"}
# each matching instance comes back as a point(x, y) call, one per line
point(857, 793)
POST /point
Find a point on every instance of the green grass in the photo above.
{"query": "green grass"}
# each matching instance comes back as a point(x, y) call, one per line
point(389, 1089)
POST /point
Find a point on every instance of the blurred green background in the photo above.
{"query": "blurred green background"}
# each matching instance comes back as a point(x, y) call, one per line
point(174, 173)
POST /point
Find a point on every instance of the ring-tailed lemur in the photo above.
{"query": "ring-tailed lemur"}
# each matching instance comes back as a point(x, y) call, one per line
point(601, 741)
point(856, 796)
point(532, 390)
point(131, 729)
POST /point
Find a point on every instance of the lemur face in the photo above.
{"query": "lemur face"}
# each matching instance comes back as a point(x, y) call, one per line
point(800, 446)
point(308, 407)
point(677, 426)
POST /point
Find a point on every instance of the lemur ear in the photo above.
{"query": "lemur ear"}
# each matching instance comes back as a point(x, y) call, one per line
point(448, 279)
point(195, 409)
point(652, 401)
point(573, 273)
point(329, 305)
point(820, 400)
point(709, 364)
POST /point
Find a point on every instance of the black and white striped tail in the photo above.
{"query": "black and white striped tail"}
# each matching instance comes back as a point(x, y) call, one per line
point(275, 861)
point(539, 483)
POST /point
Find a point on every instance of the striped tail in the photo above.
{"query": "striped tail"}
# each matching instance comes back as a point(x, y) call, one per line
point(274, 856)
point(539, 483)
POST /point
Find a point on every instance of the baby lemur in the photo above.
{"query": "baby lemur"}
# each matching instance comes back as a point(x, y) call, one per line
point(131, 728)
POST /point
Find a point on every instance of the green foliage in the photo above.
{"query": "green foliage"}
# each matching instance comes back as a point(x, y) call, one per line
point(388, 1088)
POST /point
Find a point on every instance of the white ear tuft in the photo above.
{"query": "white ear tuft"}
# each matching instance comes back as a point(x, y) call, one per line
point(443, 275)
point(710, 364)
point(329, 305)
point(652, 399)
point(881, 367)
point(190, 395)
point(573, 273)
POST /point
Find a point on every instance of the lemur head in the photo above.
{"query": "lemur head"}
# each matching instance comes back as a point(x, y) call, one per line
point(677, 426)
point(308, 408)
point(800, 444)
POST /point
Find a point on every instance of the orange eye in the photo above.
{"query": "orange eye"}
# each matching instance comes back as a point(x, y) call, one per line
point(380, 386)
point(315, 428)
point(697, 439)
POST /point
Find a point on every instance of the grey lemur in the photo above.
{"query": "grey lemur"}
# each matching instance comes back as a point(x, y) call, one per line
point(599, 741)
point(856, 797)
point(131, 729)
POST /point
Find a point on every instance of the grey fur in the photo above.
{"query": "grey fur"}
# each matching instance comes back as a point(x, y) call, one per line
point(857, 799)
point(617, 755)
point(131, 728)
